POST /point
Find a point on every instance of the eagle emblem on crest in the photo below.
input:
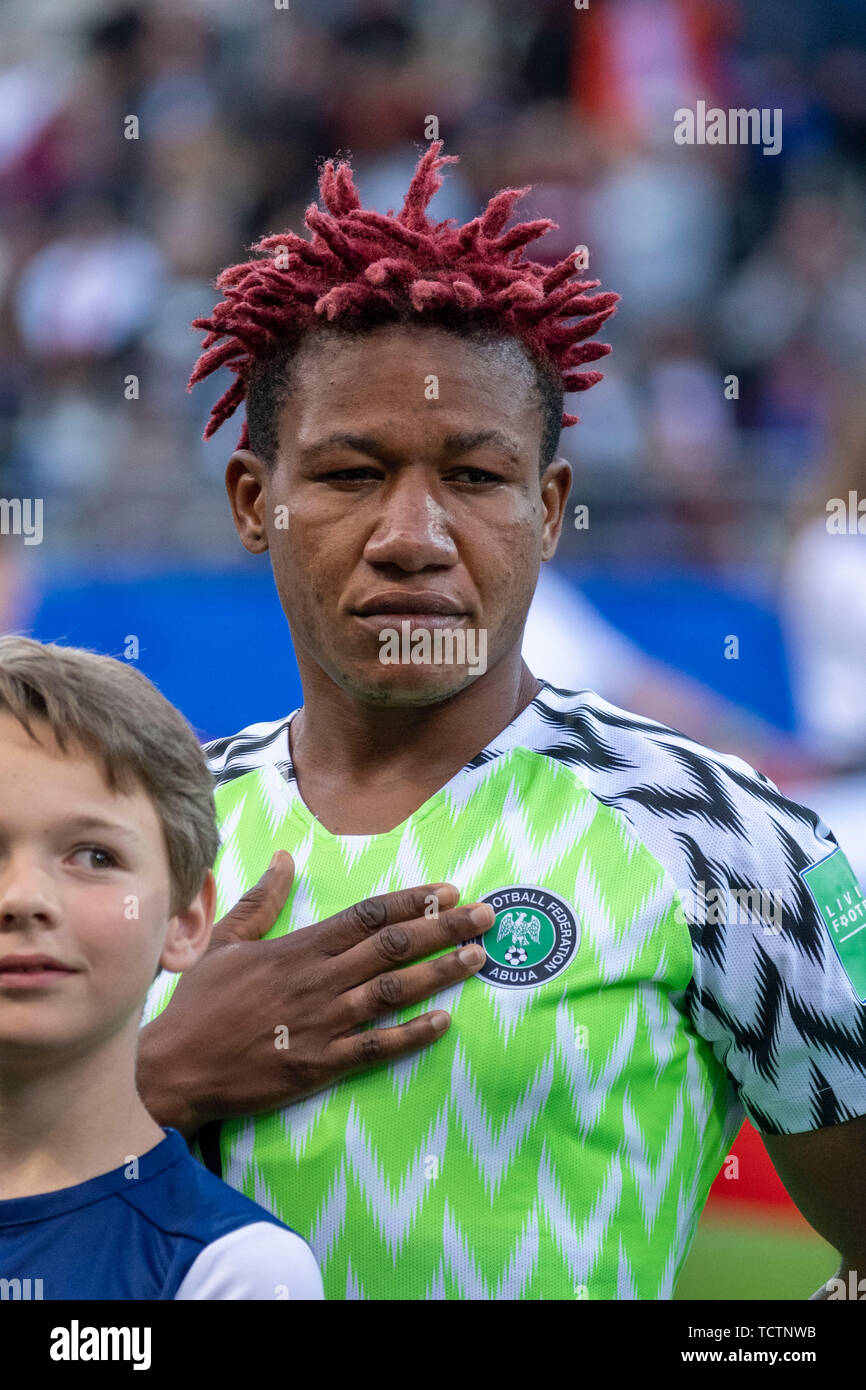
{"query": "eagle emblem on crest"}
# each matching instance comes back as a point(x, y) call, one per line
point(519, 929)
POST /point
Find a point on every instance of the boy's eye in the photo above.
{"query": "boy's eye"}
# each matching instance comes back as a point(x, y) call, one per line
point(95, 852)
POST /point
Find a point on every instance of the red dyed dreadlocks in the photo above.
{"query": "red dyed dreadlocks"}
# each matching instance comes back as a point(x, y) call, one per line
point(360, 261)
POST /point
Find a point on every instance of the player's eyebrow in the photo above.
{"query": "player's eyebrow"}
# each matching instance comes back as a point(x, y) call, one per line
point(476, 439)
point(452, 444)
point(361, 443)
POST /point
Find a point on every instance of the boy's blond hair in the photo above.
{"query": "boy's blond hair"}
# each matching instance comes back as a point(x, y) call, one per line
point(114, 712)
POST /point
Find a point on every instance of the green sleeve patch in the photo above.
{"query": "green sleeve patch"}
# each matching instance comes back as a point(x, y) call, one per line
point(839, 899)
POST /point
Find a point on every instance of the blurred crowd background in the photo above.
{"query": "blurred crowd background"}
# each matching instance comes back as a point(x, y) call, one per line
point(728, 260)
point(707, 497)
point(732, 408)
point(731, 263)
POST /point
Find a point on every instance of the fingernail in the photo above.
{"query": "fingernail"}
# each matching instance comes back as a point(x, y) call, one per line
point(445, 888)
point(480, 915)
point(439, 1020)
point(471, 955)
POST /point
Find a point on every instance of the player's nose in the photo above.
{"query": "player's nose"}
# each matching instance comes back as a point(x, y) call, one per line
point(413, 530)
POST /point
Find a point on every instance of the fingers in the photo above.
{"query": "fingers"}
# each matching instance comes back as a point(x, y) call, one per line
point(398, 988)
point(377, 1045)
point(362, 920)
point(256, 912)
point(412, 940)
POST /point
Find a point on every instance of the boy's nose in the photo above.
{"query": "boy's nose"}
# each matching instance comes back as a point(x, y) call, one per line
point(24, 896)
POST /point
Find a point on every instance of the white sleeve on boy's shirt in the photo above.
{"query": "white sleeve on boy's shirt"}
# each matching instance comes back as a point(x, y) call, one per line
point(259, 1261)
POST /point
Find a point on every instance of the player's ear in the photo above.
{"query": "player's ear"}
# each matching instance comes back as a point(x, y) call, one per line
point(245, 485)
point(555, 487)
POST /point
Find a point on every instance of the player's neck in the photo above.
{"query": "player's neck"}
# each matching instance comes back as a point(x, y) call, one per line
point(71, 1120)
point(362, 768)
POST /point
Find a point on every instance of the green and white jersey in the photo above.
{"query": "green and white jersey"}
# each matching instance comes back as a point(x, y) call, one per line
point(675, 945)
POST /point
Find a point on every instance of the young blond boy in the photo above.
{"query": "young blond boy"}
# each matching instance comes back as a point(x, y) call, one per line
point(107, 841)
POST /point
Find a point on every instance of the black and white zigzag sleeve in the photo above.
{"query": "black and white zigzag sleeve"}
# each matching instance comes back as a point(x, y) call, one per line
point(769, 991)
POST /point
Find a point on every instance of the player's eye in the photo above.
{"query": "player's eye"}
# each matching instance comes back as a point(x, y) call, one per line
point(361, 473)
point(107, 860)
point(474, 475)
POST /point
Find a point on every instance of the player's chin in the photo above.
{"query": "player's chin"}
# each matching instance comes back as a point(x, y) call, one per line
point(412, 685)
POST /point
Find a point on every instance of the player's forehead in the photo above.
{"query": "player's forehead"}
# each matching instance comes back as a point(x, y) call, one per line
point(405, 381)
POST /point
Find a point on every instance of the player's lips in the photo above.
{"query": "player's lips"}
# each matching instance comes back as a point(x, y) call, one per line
point(27, 972)
point(431, 608)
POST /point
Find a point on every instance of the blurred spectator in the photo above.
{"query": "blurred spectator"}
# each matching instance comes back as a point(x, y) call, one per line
point(823, 599)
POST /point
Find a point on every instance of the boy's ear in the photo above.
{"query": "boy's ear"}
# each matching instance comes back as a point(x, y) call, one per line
point(189, 931)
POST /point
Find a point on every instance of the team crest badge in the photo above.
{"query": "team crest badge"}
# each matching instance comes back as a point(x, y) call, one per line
point(533, 938)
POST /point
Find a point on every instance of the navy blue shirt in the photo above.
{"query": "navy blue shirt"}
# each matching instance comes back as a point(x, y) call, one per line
point(171, 1231)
